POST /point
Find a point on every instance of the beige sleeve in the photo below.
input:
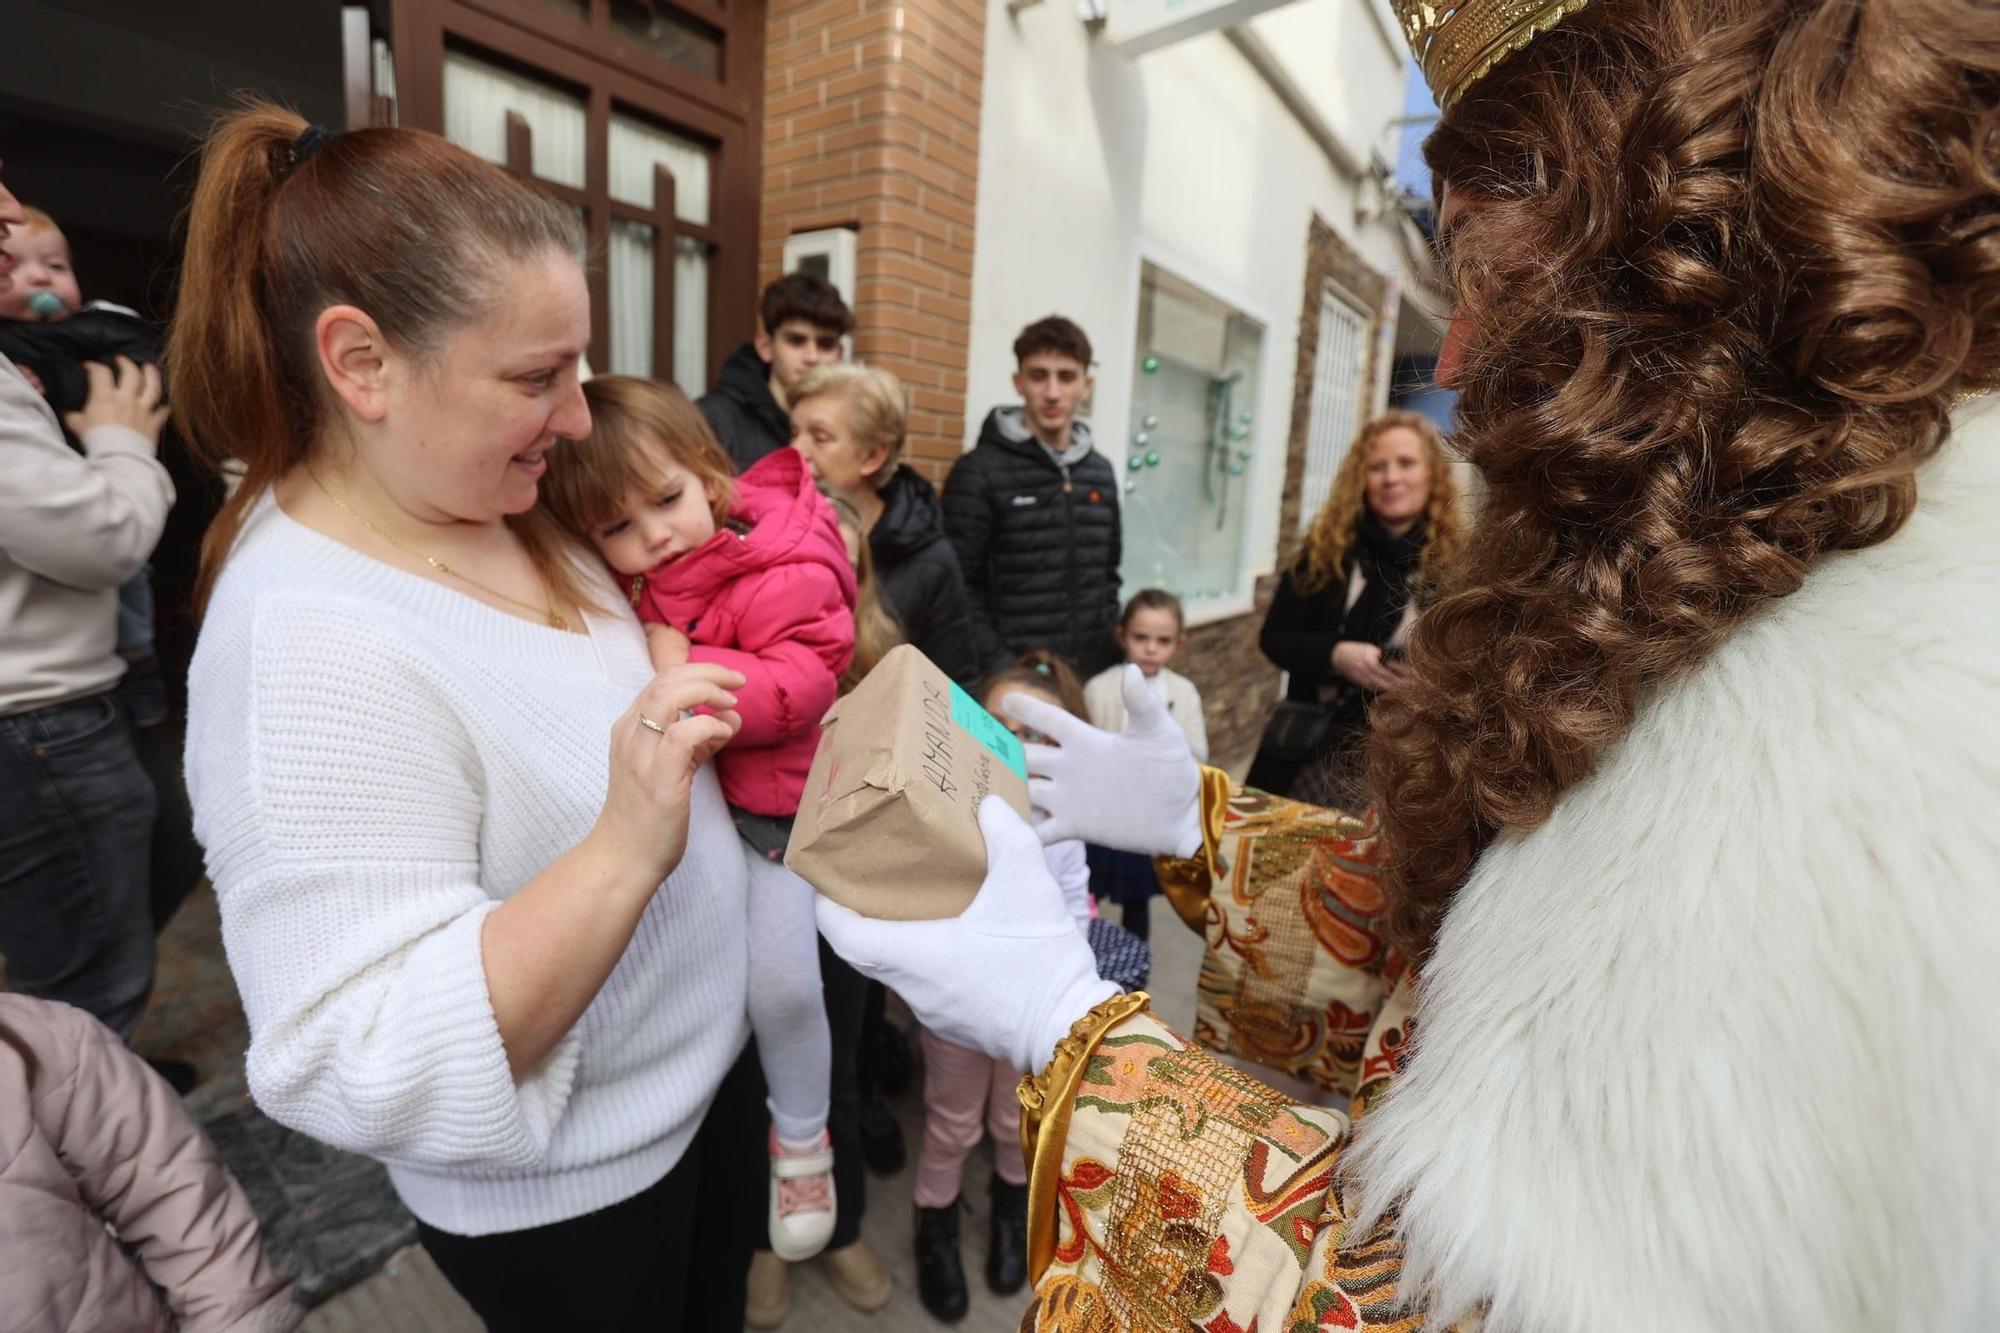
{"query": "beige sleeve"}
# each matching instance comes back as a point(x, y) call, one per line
point(1191, 719)
point(1104, 700)
point(87, 521)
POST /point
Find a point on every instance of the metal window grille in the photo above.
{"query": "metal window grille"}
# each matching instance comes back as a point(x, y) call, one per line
point(1338, 364)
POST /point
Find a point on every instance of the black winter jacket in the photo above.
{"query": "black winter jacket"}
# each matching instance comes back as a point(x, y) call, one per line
point(56, 351)
point(1301, 631)
point(1039, 544)
point(918, 580)
point(742, 412)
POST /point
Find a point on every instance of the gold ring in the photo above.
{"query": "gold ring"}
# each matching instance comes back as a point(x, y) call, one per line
point(651, 725)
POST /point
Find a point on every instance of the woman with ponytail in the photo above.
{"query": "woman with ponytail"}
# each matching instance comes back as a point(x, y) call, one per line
point(481, 897)
point(1687, 808)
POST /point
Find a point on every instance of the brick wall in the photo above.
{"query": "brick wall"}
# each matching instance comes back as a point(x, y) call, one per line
point(1239, 686)
point(872, 122)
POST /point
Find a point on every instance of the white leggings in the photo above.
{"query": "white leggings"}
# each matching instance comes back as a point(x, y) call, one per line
point(787, 1010)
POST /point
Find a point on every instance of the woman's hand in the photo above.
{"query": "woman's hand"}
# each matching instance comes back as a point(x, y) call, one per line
point(644, 822)
point(1138, 791)
point(1363, 664)
point(130, 397)
point(1007, 976)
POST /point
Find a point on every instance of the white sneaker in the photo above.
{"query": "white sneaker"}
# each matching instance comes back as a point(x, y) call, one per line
point(802, 1201)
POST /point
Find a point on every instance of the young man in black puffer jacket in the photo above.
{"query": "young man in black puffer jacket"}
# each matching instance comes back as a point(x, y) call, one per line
point(1033, 513)
point(801, 320)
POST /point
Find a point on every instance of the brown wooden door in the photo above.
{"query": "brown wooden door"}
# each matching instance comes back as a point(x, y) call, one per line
point(643, 115)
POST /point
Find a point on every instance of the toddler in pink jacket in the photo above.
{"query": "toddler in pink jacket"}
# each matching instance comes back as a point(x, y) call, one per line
point(750, 573)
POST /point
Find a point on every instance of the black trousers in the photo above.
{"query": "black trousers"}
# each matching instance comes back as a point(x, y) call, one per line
point(675, 1256)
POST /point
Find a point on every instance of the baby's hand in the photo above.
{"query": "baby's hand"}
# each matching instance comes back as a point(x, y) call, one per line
point(667, 646)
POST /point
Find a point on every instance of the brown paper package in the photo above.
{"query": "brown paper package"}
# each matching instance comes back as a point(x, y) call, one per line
point(889, 822)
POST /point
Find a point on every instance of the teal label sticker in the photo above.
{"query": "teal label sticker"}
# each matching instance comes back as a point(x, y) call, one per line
point(988, 731)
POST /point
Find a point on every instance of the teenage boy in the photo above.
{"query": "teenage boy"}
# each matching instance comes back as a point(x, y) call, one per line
point(1033, 513)
point(801, 322)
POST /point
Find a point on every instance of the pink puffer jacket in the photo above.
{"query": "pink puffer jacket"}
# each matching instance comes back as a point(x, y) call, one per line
point(88, 1137)
point(775, 602)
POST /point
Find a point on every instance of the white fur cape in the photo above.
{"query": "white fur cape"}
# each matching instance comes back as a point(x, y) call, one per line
point(1719, 1046)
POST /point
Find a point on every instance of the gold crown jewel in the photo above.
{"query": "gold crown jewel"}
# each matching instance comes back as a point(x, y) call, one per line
point(1458, 43)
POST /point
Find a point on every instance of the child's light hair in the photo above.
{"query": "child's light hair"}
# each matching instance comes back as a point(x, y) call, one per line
point(878, 408)
point(635, 425)
point(1041, 670)
point(1154, 599)
point(38, 220)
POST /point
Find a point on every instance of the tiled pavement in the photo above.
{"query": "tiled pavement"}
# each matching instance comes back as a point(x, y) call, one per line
point(332, 1217)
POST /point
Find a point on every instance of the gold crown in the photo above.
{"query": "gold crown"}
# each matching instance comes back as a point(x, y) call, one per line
point(1458, 42)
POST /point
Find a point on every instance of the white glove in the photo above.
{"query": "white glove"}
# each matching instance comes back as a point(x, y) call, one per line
point(1139, 791)
point(1007, 976)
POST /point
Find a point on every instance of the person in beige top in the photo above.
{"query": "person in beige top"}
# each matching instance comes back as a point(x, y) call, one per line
point(76, 806)
point(98, 1157)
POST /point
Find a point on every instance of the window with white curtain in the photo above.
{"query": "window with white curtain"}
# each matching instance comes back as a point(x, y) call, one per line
point(477, 97)
point(1338, 364)
point(637, 149)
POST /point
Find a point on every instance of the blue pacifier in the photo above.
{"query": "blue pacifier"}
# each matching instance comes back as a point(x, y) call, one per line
point(46, 304)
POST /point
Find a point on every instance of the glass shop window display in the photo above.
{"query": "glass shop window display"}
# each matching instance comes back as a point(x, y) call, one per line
point(1193, 427)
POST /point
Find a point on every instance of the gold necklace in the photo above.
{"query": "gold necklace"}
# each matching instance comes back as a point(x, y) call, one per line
point(554, 617)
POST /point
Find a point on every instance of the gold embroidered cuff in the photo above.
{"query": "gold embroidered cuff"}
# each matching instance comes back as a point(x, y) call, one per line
point(1187, 881)
point(1046, 1100)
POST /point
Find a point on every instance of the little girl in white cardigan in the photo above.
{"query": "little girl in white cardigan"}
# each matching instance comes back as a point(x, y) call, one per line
point(1150, 632)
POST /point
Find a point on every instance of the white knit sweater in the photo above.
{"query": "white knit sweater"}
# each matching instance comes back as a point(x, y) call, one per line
point(376, 762)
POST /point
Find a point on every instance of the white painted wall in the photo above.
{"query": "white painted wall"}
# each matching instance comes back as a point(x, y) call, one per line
point(1349, 64)
point(1090, 161)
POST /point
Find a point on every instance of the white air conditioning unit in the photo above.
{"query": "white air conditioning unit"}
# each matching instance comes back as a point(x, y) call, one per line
point(827, 253)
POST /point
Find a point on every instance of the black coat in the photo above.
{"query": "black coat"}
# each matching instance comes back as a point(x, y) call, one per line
point(1039, 544)
point(918, 580)
point(56, 350)
point(742, 412)
point(1301, 631)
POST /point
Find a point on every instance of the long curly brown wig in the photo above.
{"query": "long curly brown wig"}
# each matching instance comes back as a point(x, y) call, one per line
point(1723, 266)
point(1323, 556)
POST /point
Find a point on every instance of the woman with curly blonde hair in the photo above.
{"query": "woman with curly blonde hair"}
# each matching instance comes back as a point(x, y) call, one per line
point(1688, 805)
point(1390, 526)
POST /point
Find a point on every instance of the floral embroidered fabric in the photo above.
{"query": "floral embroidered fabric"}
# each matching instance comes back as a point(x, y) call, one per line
point(1194, 1197)
point(1191, 1195)
point(1296, 970)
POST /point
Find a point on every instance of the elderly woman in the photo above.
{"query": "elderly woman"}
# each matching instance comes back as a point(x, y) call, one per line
point(482, 899)
point(850, 423)
point(1688, 805)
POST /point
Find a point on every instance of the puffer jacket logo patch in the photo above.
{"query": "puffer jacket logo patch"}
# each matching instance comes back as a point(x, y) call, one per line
point(1023, 501)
